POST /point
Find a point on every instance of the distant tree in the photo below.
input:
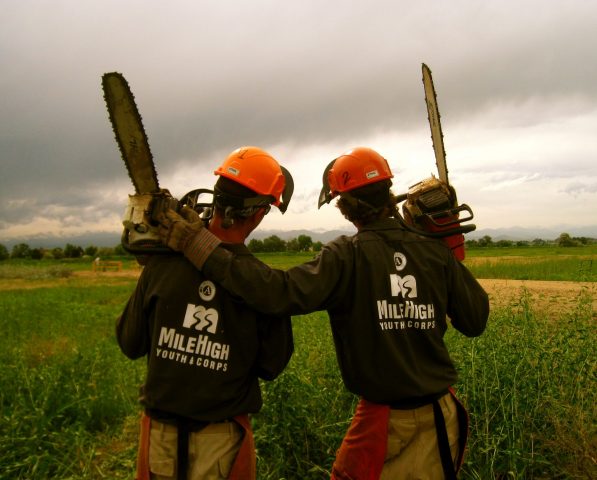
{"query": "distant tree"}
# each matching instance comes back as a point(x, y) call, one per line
point(120, 251)
point(73, 251)
point(3, 252)
point(503, 243)
point(292, 245)
point(472, 243)
point(582, 240)
point(539, 242)
point(255, 245)
point(317, 246)
point(91, 250)
point(485, 241)
point(57, 253)
point(21, 250)
point(304, 243)
point(522, 243)
point(565, 240)
point(37, 253)
point(274, 244)
point(104, 252)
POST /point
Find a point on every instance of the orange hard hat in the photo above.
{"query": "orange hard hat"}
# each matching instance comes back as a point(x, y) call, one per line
point(257, 170)
point(355, 168)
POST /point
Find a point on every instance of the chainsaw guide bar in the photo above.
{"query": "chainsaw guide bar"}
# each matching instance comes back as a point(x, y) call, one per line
point(130, 134)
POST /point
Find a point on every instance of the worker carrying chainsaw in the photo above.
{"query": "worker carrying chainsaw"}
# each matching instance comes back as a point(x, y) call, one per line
point(206, 349)
point(388, 292)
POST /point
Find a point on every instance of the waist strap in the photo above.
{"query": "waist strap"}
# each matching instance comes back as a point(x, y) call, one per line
point(442, 441)
point(182, 451)
point(416, 402)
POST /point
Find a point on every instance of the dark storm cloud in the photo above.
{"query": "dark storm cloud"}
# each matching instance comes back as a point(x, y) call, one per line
point(211, 76)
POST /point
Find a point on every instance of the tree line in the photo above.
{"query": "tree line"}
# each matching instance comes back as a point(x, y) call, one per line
point(23, 250)
point(273, 243)
point(564, 240)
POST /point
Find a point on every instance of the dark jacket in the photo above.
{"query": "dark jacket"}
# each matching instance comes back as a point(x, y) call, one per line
point(205, 348)
point(387, 292)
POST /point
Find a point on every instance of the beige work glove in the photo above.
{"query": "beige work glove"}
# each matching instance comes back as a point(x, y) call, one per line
point(189, 237)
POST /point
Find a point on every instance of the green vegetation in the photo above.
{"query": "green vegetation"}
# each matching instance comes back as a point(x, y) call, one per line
point(49, 268)
point(530, 263)
point(532, 251)
point(69, 397)
point(535, 263)
point(575, 268)
point(529, 384)
point(65, 389)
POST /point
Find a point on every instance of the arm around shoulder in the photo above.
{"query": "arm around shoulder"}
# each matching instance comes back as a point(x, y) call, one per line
point(468, 303)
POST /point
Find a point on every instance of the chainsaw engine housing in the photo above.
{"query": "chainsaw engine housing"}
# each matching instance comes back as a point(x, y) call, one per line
point(140, 220)
point(432, 208)
point(140, 235)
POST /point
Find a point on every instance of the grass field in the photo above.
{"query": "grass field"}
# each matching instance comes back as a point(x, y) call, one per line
point(69, 397)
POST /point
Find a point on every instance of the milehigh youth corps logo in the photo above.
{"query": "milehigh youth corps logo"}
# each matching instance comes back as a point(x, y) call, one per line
point(402, 311)
point(196, 344)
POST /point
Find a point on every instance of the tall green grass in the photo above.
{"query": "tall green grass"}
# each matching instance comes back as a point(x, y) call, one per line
point(530, 385)
point(69, 397)
point(306, 410)
point(63, 386)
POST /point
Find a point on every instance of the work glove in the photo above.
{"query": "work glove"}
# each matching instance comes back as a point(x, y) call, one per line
point(191, 238)
point(190, 215)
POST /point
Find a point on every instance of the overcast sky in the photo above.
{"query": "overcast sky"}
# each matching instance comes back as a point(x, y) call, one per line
point(306, 80)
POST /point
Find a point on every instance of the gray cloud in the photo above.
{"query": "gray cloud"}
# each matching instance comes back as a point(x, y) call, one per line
point(576, 188)
point(211, 76)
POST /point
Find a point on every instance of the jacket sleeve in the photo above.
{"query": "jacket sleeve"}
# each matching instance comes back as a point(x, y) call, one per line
point(276, 345)
point(468, 303)
point(132, 327)
point(306, 288)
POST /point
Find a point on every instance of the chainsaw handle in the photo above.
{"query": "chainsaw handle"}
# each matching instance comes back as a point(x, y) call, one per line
point(147, 249)
point(461, 229)
point(444, 233)
point(453, 212)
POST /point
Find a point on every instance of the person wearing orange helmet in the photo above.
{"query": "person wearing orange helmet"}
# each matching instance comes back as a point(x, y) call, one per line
point(205, 349)
point(388, 292)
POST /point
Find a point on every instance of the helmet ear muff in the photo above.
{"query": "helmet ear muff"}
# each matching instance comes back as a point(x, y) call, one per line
point(288, 190)
point(325, 196)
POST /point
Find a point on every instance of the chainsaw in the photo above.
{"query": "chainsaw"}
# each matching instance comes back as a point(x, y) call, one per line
point(431, 206)
point(140, 235)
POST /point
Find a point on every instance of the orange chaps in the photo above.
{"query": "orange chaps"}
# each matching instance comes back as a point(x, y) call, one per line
point(363, 451)
point(244, 467)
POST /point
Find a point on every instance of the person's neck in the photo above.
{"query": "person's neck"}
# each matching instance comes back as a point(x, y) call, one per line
point(236, 233)
point(227, 235)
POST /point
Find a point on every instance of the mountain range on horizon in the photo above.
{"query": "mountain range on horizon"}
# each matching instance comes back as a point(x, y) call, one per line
point(111, 239)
